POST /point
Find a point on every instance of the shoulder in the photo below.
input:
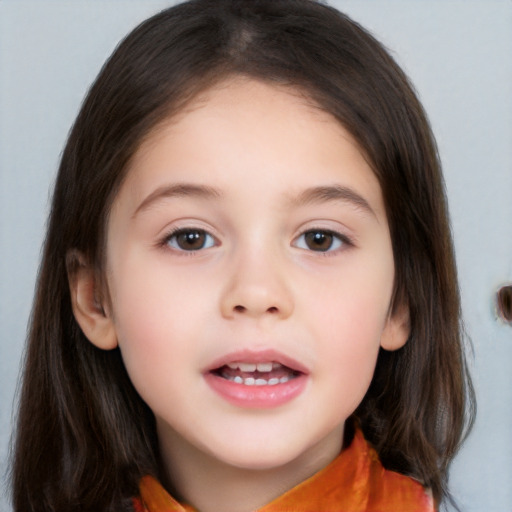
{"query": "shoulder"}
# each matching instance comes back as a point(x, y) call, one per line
point(390, 491)
point(355, 481)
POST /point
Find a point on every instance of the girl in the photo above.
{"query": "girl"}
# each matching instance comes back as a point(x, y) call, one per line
point(248, 298)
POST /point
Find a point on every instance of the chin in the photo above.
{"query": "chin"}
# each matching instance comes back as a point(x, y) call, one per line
point(262, 455)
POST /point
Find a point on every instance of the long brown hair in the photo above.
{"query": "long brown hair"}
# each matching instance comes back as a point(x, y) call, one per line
point(84, 436)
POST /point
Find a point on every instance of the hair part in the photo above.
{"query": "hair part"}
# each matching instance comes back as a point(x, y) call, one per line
point(84, 436)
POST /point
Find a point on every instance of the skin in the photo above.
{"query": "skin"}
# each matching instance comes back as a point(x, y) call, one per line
point(254, 285)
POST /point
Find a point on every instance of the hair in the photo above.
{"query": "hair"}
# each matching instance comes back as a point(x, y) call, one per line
point(84, 436)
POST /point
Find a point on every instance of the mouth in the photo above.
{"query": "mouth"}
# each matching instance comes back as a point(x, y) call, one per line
point(257, 379)
point(269, 373)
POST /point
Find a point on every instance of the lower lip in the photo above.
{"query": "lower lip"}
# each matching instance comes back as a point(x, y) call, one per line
point(256, 397)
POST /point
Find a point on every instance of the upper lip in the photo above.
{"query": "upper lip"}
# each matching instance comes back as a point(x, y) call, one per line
point(257, 356)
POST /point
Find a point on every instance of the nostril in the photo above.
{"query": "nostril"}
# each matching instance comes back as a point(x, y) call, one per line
point(243, 309)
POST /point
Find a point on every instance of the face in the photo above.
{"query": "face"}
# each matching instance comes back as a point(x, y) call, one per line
point(250, 272)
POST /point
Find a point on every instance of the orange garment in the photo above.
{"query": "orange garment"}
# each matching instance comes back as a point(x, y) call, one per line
point(355, 481)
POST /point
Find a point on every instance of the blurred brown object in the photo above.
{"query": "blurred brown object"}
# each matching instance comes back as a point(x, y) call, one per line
point(504, 303)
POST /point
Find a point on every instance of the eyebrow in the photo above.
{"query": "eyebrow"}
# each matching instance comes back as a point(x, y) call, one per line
point(177, 190)
point(329, 193)
point(311, 195)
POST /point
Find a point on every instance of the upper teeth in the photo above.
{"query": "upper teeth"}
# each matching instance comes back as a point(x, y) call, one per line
point(252, 367)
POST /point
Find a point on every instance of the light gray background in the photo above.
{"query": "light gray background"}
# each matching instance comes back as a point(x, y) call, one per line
point(459, 55)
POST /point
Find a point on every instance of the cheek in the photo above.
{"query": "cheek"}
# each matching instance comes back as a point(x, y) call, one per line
point(154, 313)
point(151, 298)
point(351, 342)
point(348, 322)
point(346, 360)
point(352, 305)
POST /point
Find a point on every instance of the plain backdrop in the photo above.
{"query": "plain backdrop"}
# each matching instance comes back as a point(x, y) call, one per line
point(458, 54)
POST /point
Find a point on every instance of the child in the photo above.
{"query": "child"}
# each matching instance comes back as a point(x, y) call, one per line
point(248, 298)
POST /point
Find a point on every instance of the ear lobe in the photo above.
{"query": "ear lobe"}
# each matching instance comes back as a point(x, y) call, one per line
point(397, 329)
point(95, 323)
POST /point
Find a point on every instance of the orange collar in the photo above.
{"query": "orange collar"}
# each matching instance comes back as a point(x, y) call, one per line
point(355, 481)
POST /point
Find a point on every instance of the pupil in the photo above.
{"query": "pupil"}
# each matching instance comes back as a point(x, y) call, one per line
point(318, 241)
point(191, 240)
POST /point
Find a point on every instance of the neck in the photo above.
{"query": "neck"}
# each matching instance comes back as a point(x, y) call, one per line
point(210, 485)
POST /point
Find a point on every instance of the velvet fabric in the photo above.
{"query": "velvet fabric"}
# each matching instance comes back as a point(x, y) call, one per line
point(355, 481)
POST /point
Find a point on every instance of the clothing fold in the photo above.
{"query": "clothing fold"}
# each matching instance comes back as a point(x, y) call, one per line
point(355, 481)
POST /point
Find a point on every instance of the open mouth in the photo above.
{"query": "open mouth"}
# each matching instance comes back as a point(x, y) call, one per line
point(269, 373)
point(257, 380)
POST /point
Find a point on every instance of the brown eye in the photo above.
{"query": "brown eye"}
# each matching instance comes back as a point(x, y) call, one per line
point(190, 240)
point(320, 240)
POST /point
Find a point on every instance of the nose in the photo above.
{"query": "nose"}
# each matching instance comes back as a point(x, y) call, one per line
point(257, 287)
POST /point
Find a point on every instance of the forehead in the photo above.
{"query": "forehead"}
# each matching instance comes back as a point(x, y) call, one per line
point(270, 134)
point(252, 103)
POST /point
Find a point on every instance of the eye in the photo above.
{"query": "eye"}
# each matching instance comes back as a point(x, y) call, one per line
point(321, 240)
point(190, 240)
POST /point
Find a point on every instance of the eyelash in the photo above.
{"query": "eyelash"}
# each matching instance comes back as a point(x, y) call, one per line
point(188, 231)
point(337, 239)
point(341, 241)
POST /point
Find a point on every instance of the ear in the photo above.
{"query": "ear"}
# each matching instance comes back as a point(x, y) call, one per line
point(90, 314)
point(397, 329)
